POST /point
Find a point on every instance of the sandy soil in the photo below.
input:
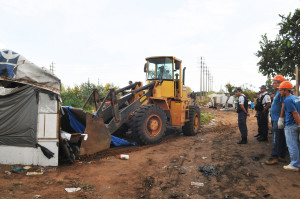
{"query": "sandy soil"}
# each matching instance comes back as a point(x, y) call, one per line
point(168, 169)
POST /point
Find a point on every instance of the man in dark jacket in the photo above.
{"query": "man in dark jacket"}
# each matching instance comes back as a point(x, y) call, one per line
point(263, 115)
point(242, 111)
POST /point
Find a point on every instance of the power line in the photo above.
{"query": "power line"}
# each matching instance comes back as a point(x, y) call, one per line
point(206, 78)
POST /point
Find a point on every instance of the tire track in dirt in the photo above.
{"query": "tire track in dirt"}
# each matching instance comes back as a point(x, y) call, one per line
point(236, 176)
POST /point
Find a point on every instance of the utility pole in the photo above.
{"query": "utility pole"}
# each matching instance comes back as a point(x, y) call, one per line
point(52, 67)
point(209, 82)
point(204, 76)
point(212, 87)
point(208, 86)
point(201, 79)
point(207, 75)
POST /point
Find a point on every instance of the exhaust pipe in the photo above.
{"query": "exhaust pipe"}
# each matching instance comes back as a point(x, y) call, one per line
point(183, 78)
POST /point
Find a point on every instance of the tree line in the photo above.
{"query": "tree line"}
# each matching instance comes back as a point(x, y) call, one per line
point(77, 95)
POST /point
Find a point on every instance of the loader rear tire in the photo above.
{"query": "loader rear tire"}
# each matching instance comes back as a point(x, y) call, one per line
point(148, 124)
point(192, 127)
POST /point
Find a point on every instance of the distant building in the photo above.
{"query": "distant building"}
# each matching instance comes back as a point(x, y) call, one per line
point(222, 100)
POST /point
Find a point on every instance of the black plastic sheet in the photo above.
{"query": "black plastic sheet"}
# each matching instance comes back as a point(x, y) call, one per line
point(18, 117)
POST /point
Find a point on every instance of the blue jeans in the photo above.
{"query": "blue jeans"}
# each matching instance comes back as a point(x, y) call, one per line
point(292, 141)
point(242, 118)
point(278, 140)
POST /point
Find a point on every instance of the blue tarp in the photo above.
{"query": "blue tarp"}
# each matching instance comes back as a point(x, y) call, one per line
point(80, 128)
point(75, 124)
point(120, 142)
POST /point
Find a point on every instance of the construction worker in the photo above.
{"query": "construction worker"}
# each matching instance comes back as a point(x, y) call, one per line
point(272, 95)
point(278, 137)
point(242, 111)
point(263, 104)
point(292, 124)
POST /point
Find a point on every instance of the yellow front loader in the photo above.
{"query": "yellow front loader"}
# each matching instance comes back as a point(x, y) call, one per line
point(146, 110)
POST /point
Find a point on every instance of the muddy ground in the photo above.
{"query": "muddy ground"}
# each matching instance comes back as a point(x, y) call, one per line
point(174, 168)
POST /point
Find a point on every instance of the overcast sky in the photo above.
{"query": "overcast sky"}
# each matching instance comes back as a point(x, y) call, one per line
point(108, 40)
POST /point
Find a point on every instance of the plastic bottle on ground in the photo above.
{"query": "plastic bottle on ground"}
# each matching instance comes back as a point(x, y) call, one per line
point(124, 157)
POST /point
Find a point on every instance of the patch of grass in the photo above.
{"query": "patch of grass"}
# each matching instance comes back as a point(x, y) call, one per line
point(75, 183)
point(206, 117)
point(78, 183)
point(15, 185)
point(88, 187)
point(204, 101)
point(60, 181)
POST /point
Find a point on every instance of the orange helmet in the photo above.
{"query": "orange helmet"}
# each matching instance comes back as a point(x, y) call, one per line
point(279, 78)
point(286, 85)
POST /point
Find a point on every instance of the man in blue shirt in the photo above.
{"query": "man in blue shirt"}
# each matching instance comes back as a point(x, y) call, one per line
point(252, 106)
point(292, 124)
point(278, 137)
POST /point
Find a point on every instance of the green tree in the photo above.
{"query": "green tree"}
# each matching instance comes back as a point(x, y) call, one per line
point(76, 96)
point(269, 86)
point(248, 92)
point(70, 96)
point(281, 55)
point(230, 88)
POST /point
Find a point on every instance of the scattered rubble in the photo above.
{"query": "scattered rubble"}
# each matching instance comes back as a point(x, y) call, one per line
point(34, 173)
point(209, 171)
point(71, 190)
point(197, 184)
point(7, 172)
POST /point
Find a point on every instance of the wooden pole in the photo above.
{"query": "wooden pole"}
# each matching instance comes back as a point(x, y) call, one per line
point(201, 80)
point(297, 81)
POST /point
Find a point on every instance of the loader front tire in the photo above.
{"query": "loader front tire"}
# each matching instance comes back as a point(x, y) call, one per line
point(148, 124)
point(192, 127)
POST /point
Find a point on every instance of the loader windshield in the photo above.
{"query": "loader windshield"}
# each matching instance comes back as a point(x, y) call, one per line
point(160, 68)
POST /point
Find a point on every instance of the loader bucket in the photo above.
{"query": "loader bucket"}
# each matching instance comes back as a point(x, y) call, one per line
point(99, 137)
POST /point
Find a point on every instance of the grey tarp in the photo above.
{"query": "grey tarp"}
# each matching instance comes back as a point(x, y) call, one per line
point(15, 68)
point(18, 117)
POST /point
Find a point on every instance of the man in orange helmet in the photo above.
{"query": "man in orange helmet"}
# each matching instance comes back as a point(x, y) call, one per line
point(278, 137)
point(292, 124)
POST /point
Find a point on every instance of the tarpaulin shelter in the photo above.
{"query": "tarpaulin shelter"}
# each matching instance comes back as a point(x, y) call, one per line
point(29, 111)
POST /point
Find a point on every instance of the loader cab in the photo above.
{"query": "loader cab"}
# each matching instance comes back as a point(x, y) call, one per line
point(167, 71)
point(160, 68)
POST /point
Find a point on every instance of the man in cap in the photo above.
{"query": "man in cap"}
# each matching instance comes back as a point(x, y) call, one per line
point(242, 111)
point(263, 105)
point(278, 137)
point(257, 97)
point(292, 124)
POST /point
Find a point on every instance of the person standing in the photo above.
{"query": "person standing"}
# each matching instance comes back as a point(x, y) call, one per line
point(263, 114)
point(252, 106)
point(242, 111)
point(272, 95)
point(278, 137)
point(292, 124)
point(256, 113)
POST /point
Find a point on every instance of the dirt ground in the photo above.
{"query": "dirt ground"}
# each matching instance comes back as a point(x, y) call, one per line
point(171, 169)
